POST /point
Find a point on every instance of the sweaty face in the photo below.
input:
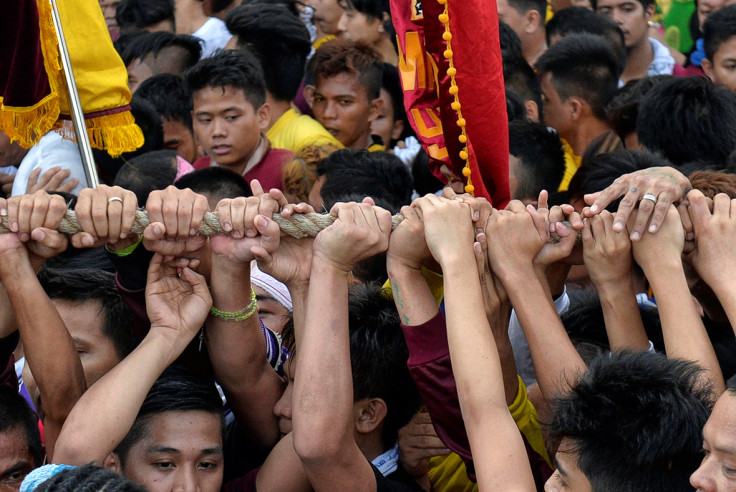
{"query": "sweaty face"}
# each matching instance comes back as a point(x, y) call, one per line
point(630, 16)
point(567, 477)
point(85, 322)
point(282, 408)
point(227, 125)
point(722, 69)
point(717, 472)
point(341, 104)
point(556, 113)
point(179, 138)
point(15, 459)
point(180, 451)
point(358, 27)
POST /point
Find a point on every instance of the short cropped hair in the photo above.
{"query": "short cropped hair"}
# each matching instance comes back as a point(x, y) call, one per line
point(15, 413)
point(582, 65)
point(278, 39)
point(355, 58)
point(541, 158)
point(170, 95)
point(523, 6)
point(688, 119)
point(623, 109)
point(88, 478)
point(519, 78)
point(216, 182)
point(378, 175)
point(177, 390)
point(651, 395)
point(573, 20)
point(175, 52)
point(141, 14)
point(233, 68)
point(378, 357)
point(148, 172)
point(719, 27)
point(87, 284)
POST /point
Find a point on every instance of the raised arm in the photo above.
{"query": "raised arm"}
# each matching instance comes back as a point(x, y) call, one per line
point(236, 341)
point(660, 256)
point(177, 305)
point(323, 390)
point(514, 242)
point(49, 349)
point(498, 450)
point(607, 255)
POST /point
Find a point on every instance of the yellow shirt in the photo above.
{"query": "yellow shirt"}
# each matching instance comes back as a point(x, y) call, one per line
point(572, 163)
point(294, 131)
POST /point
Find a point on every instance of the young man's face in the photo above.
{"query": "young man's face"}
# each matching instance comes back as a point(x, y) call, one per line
point(341, 104)
point(386, 125)
point(556, 112)
point(85, 321)
point(16, 460)
point(282, 408)
point(717, 472)
point(630, 16)
point(722, 68)
point(273, 314)
point(180, 451)
point(567, 477)
point(138, 72)
point(179, 138)
point(357, 26)
point(227, 125)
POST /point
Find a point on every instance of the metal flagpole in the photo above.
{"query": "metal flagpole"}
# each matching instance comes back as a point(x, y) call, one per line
point(80, 127)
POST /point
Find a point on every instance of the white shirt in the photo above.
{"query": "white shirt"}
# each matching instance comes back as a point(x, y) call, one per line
point(51, 151)
point(214, 36)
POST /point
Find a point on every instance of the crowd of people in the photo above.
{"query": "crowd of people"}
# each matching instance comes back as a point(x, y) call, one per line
point(578, 338)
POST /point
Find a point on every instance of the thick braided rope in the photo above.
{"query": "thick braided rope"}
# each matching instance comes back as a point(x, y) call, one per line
point(298, 225)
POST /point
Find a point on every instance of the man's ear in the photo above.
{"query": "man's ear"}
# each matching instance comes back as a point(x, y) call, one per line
point(369, 414)
point(396, 131)
point(532, 111)
point(309, 94)
point(112, 463)
point(576, 107)
point(707, 66)
point(532, 21)
point(649, 12)
point(264, 116)
point(376, 108)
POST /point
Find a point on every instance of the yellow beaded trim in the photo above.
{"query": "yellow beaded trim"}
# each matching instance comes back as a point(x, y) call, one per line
point(444, 18)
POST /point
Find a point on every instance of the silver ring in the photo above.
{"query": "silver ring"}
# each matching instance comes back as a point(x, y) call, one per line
point(649, 196)
point(114, 199)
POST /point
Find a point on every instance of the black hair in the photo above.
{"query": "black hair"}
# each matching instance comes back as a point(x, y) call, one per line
point(582, 65)
point(293, 6)
point(519, 78)
point(145, 173)
point(379, 175)
point(141, 14)
point(344, 56)
point(424, 181)
point(686, 119)
point(651, 395)
point(624, 107)
point(718, 27)
point(216, 182)
point(152, 44)
point(15, 413)
point(515, 108)
point(523, 6)
point(149, 121)
point(573, 20)
point(177, 390)
point(602, 170)
point(278, 39)
point(373, 9)
point(231, 68)
point(88, 478)
point(392, 85)
point(378, 357)
point(541, 158)
point(89, 285)
point(509, 40)
point(169, 95)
